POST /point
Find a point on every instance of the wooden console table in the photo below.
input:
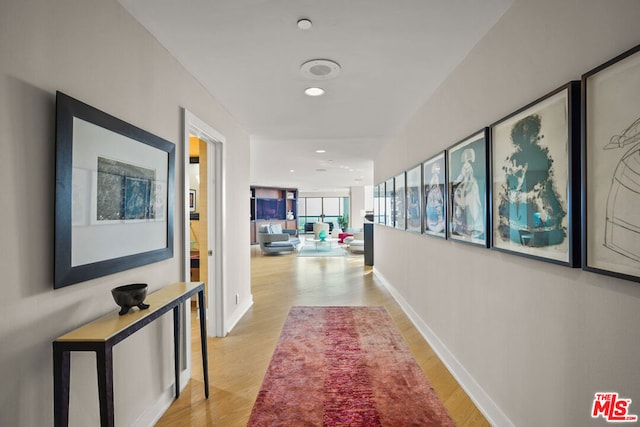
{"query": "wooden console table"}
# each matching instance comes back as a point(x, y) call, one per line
point(102, 334)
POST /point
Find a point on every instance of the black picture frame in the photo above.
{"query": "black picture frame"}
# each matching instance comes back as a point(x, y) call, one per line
point(610, 175)
point(400, 201)
point(378, 203)
point(535, 179)
point(114, 201)
point(390, 217)
point(468, 189)
point(414, 199)
point(434, 194)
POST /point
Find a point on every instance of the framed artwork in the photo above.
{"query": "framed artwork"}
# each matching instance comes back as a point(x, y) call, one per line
point(611, 167)
point(376, 203)
point(114, 194)
point(467, 168)
point(192, 200)
point(535, 174)
point(414, 199)
point(400, 201)
point(381, 203)
point(390, 203)
point(434, 175)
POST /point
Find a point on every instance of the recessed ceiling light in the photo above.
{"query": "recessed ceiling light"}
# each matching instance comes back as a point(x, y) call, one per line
point(304, 23)
point(321, 151)
point(291, 170)
point(314, 91)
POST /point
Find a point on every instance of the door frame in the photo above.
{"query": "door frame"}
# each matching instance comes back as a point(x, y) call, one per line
point(192, 125)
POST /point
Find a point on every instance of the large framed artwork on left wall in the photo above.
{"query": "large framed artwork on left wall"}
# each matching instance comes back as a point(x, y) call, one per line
point(114, 194)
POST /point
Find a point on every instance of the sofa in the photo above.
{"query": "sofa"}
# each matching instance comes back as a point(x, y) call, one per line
point(356, 242)
point(274, 240)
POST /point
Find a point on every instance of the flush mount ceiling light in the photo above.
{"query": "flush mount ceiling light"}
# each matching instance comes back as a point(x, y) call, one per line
point(314, 91)
point(321, 151)
point(304, 23)
point(320, 69)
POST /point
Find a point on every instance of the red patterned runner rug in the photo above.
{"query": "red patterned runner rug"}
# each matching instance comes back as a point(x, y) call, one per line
point(345, 366)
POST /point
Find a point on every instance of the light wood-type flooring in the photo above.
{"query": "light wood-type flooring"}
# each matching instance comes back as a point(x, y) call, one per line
point(238, 362)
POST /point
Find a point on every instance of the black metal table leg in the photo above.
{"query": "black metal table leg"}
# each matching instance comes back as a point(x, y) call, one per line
point(104, 363)
point(203, 341)
point(61, 372)
point(176, 347)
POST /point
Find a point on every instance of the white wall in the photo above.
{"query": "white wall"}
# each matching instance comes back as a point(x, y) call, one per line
point(361, 200)
point(538, 339)
point(356, 205)
point(94, 51)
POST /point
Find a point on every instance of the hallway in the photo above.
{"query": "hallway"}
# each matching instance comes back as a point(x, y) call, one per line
point(238, 362)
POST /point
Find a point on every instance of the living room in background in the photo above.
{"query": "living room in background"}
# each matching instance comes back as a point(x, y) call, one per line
point(273, 205)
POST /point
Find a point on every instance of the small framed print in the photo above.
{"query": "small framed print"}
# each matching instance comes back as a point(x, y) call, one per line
point(192, 200)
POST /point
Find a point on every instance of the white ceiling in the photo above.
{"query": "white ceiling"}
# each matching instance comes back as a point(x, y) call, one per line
point(247, 53)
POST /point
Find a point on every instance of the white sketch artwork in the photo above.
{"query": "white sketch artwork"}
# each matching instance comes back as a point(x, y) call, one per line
point(611, 193)
point(622, 228)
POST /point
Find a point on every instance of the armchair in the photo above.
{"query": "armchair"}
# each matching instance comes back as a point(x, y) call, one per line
point(355, 242)
point(318, 227)
point(273, 240)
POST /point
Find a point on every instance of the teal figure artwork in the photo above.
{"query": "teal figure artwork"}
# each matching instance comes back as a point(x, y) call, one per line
point(435, 201)
point(530, 209)
point(322, 235)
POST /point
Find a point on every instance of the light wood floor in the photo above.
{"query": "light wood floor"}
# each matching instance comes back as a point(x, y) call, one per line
point(238, 362)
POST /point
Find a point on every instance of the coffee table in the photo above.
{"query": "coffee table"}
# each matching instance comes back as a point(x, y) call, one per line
point(324, 245)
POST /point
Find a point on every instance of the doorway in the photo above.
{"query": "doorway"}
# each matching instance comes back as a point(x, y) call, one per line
point(204, 216)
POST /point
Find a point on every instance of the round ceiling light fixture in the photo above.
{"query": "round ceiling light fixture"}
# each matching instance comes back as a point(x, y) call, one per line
point(304, 23)
point(314, 91)
point(320, 69)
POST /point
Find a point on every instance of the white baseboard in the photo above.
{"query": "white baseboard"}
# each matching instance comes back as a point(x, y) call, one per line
point(241, 311)
point(153, 413)
point(482, 400)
